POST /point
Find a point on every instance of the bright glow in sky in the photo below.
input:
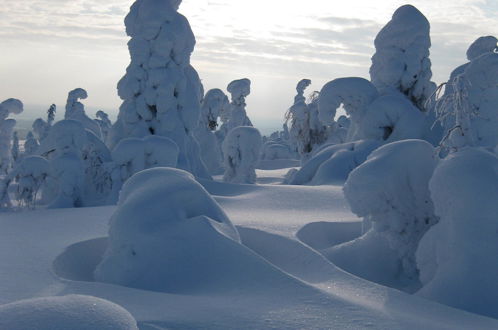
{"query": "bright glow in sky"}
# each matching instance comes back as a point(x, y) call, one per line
point(52, 46)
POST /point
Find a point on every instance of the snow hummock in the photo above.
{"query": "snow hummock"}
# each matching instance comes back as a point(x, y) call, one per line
point(401, 62)
point(165, 234)
point(241, 152)
point(457, 257)
point(75, 312)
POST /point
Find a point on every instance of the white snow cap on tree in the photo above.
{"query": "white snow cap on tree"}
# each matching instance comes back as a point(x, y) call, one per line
point(401, 61)
point(75, 110)
point(239, 90)
point(165, 234)
point(7, 107)
point(161, 91)
point(241, 151)
point(482, 46)
point(353, 93)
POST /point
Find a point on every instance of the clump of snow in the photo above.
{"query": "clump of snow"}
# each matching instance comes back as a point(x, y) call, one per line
point(482, 45)
point(354, 94)
point(401, 62)
point(161, 91)
point(392, 118)
point(75, 312)
point(241, 152)
point(75, 110)
point(214, 104)
point(160, 233)
point(457, 257)
point(391, 192)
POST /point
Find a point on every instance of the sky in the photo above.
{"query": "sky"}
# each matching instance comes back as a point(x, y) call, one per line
point(49, 47)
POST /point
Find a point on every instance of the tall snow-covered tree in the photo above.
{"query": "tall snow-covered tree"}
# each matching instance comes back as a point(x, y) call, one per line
point(75, 110)
point(241, 152)
point(401, 62)
point(7, 107)
point(30, 144)
point(104, 123)
point(161, 91)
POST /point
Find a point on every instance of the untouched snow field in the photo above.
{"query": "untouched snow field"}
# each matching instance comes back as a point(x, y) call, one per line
point(289, 286)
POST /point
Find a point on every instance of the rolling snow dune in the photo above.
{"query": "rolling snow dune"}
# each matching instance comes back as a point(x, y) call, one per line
point(53, 253)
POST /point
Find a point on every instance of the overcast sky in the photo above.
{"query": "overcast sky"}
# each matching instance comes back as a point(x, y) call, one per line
point(49, 47)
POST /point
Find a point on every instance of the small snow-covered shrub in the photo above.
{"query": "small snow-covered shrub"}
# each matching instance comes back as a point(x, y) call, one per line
point(30, 144)
point(30, 175)
point(75, 312)
point(167, 234)
point(401, 62)
point(391, 192)
point(457, 257)
point(241, 151)
point(273, 150)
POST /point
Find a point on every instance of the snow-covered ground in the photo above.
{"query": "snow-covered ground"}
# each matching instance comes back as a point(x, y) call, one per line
point(283, 283)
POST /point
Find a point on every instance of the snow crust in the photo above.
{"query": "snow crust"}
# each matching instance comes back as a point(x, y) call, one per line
point(75, 312)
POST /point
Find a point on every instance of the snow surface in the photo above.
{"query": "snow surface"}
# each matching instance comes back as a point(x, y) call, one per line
point(75, 312)
point(305, 290)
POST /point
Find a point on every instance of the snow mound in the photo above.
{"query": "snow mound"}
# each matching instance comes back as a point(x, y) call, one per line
point(391, 192)
point(322, 235)
point(73, 312)
point(457, 257)
point(168, 234)
point(333, 164)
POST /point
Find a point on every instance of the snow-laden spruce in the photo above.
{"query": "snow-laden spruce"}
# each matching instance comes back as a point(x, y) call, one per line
point(215, 103)
point(104, 123)
point(167, 234)
point(75, 312)
point(457, 257)
point(239, 90)
point(75, 110)
point(30, 144)
point(241, 152)
point(391, 192)
point(161, 91)
point(30, 174)
point(401, 61)
point(468, 107)
point(7, 107)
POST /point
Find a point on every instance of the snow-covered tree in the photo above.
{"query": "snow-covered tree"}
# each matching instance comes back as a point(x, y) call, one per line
point(51, 114)
point(30, 174)
point(30, 144)
point(104, 123)
point(239, 90)
point(75, 110)
point(391, 192)
point(7, 107)
point(401, 62)
point(167, 234)
point(41, 129)
point(161, 91)
point(214, 103)
point(354, 95)
point(16, 153)
point(241, 152)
